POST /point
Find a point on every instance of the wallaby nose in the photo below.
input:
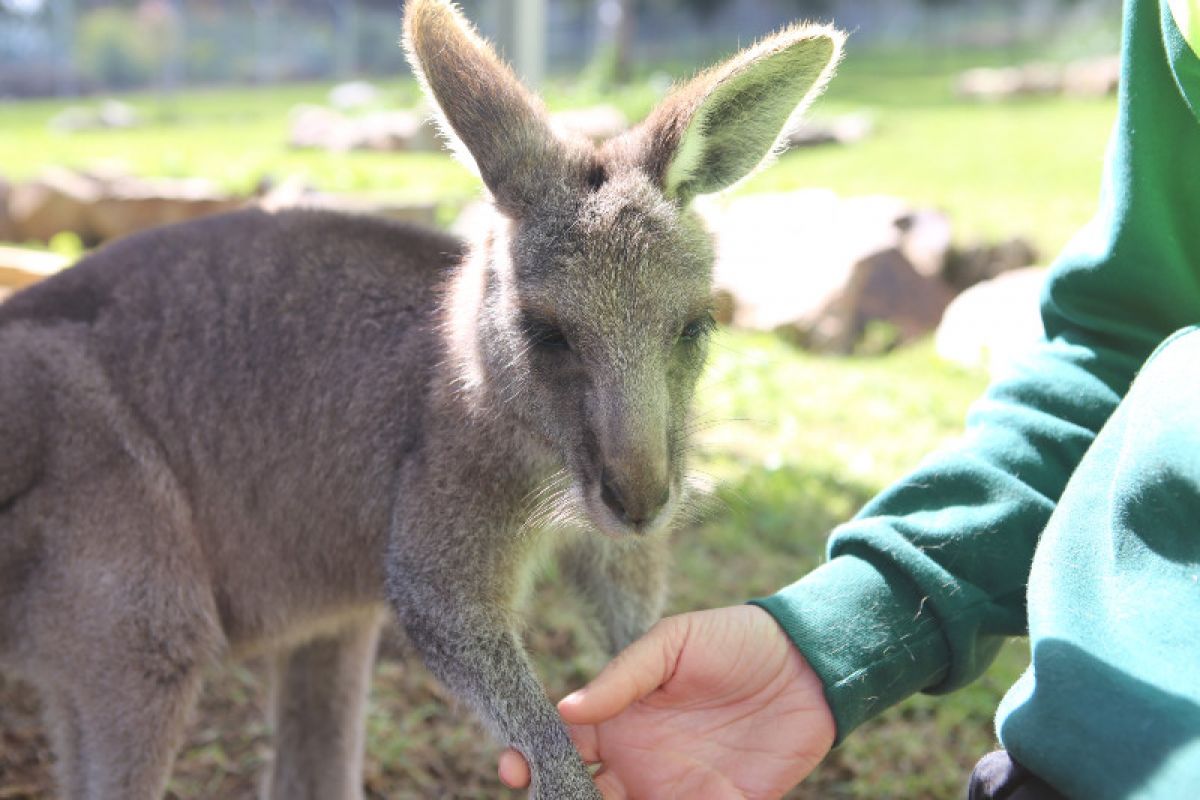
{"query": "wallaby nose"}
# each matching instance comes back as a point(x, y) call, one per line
point(635, 506)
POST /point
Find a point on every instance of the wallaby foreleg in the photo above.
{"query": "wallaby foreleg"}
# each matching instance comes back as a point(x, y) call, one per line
point(624, 582)
point(319, 694)
point(471, 646)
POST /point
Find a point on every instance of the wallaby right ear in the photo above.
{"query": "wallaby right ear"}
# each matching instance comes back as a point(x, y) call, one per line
point(493, 124)
point(725, 123)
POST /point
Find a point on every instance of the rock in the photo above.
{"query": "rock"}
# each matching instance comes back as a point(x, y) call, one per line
point(8, 228)
point(822, 269)
point(987, 83)
point(317, 127)
point(395, 131)
point(313, 127)
point(115, 114)
point(103, 205)
point(969, 266)
point(597, 123)
point(20, 267)
point(290, 192)
point(773, 254)
point(353, 94)
point(405, 211)
point(129, 205)
point(73, 118)
point(1041, 77)
point(926, 238)
point(110, 114)
point(990, 324)
point(1092, 77)
point(293, 193)
point(56, 201)
point(846, 129)
point(883, 287)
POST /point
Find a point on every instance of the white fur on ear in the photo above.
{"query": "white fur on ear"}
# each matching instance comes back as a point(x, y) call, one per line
point(753, 102)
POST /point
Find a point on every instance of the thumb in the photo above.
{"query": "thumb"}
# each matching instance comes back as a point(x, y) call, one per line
point(637, 671)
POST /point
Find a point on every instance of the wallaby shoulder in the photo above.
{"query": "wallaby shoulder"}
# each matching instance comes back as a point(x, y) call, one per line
point(241, 319)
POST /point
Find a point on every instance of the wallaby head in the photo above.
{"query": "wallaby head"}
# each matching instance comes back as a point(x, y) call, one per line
point(584, 309)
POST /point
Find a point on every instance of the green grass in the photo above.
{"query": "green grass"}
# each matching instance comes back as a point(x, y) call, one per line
point(799, 441)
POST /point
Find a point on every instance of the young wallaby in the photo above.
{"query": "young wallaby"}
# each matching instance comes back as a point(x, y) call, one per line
point(252, 432)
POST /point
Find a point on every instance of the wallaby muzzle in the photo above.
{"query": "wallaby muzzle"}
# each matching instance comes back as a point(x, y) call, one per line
point(634, 469)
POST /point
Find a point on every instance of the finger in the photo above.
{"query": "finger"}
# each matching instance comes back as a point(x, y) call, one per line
point(514, 771)
point(585, 739)
point(636, 672)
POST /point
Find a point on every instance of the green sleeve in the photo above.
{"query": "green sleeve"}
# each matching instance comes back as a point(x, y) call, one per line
point(923, 585)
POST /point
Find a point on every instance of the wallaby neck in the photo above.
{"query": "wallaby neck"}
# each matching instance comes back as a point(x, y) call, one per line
point(479, 360)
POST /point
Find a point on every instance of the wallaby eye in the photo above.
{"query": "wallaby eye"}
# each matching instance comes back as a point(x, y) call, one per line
point(697, 328)
point(543, 334)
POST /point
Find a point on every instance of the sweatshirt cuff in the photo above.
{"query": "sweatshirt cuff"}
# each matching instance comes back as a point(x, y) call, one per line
point(864, 629)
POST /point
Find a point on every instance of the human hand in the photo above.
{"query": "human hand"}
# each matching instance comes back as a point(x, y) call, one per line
point(709, 705)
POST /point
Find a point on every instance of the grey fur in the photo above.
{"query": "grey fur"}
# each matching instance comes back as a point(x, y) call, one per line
point(252, 432)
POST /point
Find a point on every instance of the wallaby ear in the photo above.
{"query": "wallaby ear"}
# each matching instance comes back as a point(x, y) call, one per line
point(725, 123)
point(494, 126)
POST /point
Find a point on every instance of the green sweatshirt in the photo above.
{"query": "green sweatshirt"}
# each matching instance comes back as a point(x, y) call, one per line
point(921, 588)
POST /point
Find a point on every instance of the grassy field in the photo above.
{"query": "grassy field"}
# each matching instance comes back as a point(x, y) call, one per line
point(800, 441)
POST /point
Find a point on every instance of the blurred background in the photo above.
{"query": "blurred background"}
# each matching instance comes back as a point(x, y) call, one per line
point(70, 46)
point(869, 281)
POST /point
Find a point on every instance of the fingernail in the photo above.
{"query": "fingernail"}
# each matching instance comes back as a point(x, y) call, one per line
point(573, 698)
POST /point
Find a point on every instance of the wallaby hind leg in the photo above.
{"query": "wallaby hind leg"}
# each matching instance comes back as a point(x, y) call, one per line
point(624, 582)
point(66, 734)
point(119, 694)
point(318, 705)
point(119, 625)
point(128, 737)
point(117, 714)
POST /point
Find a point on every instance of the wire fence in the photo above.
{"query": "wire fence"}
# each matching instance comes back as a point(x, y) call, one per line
point(82, 46)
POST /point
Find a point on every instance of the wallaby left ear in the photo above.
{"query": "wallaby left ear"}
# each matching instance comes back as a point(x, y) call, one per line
point(725, 123)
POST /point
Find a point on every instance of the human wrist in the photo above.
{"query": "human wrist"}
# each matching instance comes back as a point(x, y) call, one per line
point(860, 627)
point(799, 683)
